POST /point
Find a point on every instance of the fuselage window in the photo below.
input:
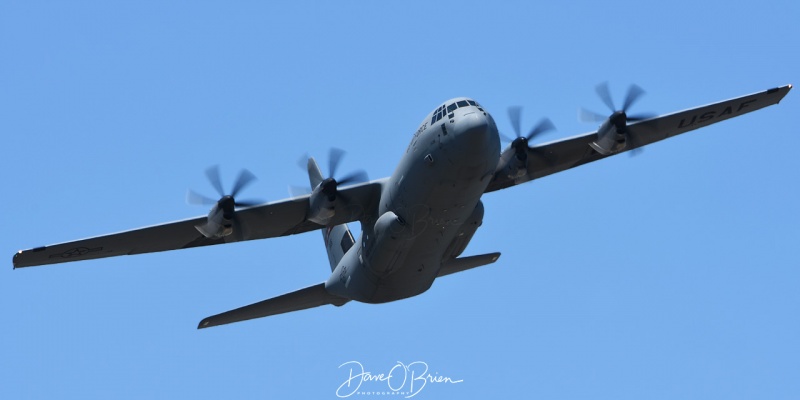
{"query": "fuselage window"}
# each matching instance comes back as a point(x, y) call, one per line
point(437, 115)
point(347, 242)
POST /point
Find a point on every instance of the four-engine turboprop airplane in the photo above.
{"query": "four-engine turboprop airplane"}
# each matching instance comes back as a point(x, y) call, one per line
point(415, 223)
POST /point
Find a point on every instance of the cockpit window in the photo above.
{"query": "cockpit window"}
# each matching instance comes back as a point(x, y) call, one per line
point(442, 110)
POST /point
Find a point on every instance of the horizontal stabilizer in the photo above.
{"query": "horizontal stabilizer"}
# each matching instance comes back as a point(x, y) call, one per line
point(312, 296)
point(465, 263)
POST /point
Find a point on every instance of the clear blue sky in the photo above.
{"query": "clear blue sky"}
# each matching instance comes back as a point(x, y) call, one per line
point(670, 275)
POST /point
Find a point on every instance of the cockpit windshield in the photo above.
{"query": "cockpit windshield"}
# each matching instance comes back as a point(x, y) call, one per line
point(444, 110)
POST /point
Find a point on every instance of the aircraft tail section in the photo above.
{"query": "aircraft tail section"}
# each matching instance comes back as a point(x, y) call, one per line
point(338, 239)
point(314, 173)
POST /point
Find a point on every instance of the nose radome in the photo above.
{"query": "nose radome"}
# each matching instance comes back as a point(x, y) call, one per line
point(473, 129)
point(474, 147)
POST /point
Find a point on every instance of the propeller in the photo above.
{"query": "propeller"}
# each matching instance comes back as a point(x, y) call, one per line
point(330, 184)
point(619, 117)
point(520, 143)
point(226, 202)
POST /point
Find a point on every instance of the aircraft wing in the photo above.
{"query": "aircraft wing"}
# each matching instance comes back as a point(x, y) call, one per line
point(281, 218)
point(549, 158)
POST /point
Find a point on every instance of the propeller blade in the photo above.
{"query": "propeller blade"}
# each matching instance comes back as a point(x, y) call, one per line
point(213, 176)
point(331, 183)
point(605, 95)
point(297, 191)
point(193, 197)
point(545, 125)
point(641, 117)
point(637, 147)
point(245, 178)
point(248, 203)
point(515, 116)
point(302, 162)
point(505, 138)
point(354, 177)
point(634, 93)
point(585, 115)
point(334, 159)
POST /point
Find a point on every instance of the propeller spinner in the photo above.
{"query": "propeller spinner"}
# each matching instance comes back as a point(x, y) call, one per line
point(520, 143)
point(329, 186)
point(222, 216)
point(613, 135)
point(517, 166)
point(325, 191)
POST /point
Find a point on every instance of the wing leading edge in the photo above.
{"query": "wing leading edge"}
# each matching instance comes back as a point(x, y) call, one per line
point(281, 218)
point(565, 154)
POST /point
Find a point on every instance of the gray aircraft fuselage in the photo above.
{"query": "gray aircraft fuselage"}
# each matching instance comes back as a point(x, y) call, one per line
point(414, 224)
point(429, 208)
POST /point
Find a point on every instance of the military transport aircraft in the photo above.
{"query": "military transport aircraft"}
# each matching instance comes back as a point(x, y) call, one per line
point(415, 223)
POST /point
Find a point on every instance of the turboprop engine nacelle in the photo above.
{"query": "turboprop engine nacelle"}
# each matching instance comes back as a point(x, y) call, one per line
point(612, 136)
point(517, 165)
point(220, 220)
point(324, 192)
point(222, 217)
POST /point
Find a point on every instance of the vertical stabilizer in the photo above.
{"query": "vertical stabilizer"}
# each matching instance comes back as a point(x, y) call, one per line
point(314, 174)
point(338, 239)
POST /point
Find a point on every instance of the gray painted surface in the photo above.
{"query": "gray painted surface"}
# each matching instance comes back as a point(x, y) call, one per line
point(415, 223)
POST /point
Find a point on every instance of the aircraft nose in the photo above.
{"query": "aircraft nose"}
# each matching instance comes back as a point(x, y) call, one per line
point(473, 146)
point(473, 130)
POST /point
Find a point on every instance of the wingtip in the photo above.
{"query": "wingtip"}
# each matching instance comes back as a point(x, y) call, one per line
point(495, 256)
point(203, 324)
point(14, 259)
